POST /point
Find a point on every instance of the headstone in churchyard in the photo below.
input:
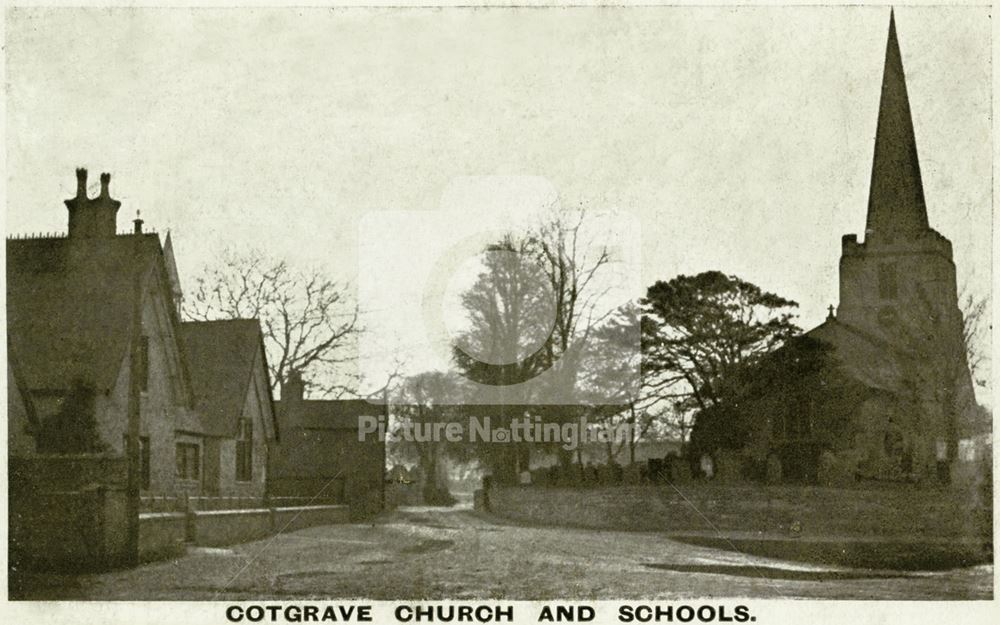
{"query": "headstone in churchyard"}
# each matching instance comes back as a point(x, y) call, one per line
point(682, 470)
point(707, 466)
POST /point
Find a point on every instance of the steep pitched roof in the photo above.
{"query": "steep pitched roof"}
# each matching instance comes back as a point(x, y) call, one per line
point(865, 358)
point(171, 265)
point(896, 196)
point(70, 304)
point(326, 414)
point(222, 356)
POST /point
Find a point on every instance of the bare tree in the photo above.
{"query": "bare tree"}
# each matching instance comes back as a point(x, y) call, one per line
point(531, 310)
point(508, 311)
point(548, 279)
point(625, 392)
point(975, 333)
point(307, 320)
point(572, 264)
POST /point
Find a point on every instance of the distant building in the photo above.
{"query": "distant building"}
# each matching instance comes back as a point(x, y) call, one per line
point(206, 418)
point(321, 455)
point(898, 328)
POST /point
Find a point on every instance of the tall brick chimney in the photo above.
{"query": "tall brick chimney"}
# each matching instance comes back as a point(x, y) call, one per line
point(292, 393)
point(293, 388)
point(92, 218)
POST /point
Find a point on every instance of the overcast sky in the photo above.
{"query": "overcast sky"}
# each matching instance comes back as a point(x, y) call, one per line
point(738, 139)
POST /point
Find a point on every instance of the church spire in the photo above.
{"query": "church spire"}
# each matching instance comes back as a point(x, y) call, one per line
point(896, 205)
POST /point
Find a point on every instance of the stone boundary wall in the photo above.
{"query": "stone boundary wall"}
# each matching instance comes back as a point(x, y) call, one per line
point(818, 512)
point(67, 512)
point(76, 531)
point(70, 513)
point(165, 534)
point(216, 528)
point(291, 519)
point(161, 535)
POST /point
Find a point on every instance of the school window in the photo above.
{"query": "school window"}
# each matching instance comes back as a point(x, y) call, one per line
point(144, 462)
point(144, 363)
point(887, 281)
point(188, 466)
point(244, 451)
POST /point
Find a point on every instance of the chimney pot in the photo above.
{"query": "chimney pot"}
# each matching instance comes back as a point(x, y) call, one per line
point(81, 182)
point(92, 218)
point(138, 223)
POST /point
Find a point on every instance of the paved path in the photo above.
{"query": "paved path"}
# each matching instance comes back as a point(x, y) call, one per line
point(456, 553)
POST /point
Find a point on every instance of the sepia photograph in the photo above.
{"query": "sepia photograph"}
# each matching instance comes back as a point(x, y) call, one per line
point(639, 313)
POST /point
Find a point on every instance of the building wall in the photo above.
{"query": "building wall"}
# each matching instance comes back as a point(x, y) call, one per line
point(365, 486)
point(161, 405)
point(922, 322)
point(257, 408)
point(228, 484)
point(212, 466)
point(330, 463)
point(20, 441)
point(925, 280)
point(89, 533)
point(165, 420)
point(311, 462)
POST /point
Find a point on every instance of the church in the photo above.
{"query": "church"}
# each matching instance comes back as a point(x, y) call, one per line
point(898, 330)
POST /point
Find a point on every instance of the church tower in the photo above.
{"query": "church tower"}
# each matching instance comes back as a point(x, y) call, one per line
point(902, 273)
point(898, 295)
